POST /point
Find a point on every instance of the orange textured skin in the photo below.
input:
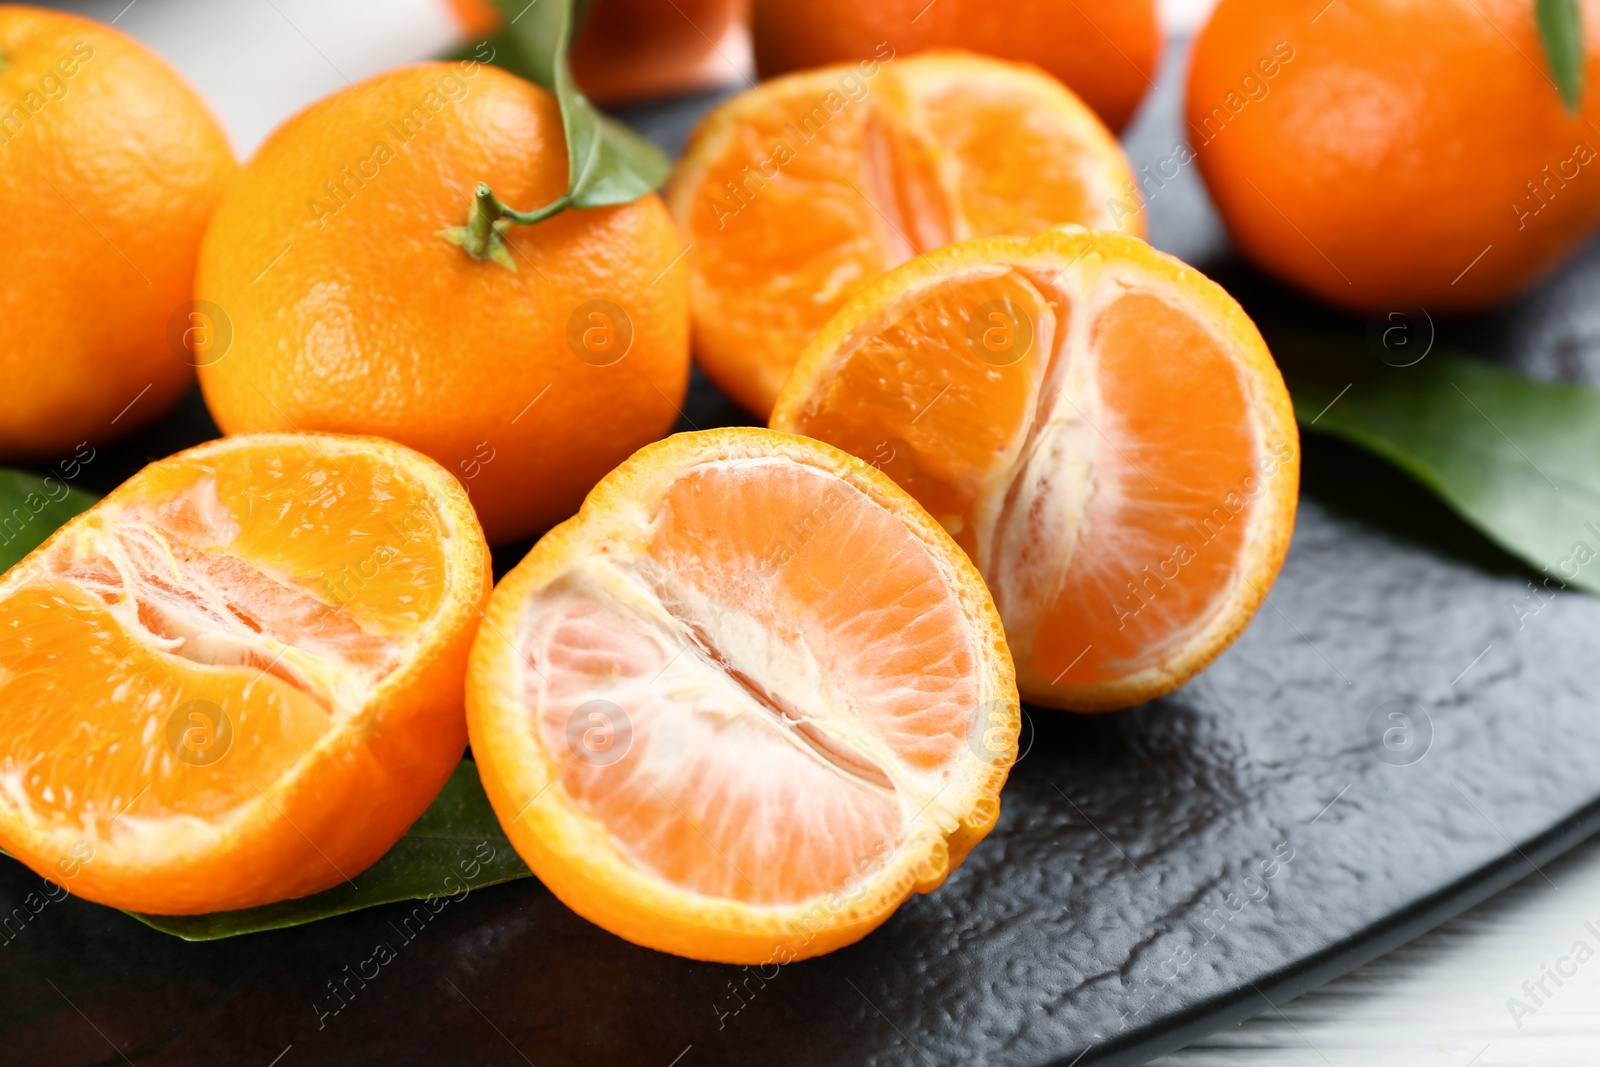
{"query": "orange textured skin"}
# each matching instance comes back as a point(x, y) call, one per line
point(1395, 146)
point(108, 175)
point(631, 48)
point(352, 315)
point(1106, 51)
point(478, 18)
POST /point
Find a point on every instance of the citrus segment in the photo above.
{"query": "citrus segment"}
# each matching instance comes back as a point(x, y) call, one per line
point(951, 420)
point(233, 680)
point(1025, 156)
point(1109, 441)
point(795, 195)
point(745, 703)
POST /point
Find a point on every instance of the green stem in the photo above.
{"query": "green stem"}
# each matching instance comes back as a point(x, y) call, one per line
point(488, 219)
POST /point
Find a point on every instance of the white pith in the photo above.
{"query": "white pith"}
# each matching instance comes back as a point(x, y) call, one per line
point(702, 643)
point(163, 601)
point(160, 594)
point(1030, 513)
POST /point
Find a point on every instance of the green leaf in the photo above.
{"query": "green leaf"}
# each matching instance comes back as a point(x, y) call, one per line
point(32, 507)
point(457, 845)
point(1517, 458)
point(607, 163)
point(1561, 27)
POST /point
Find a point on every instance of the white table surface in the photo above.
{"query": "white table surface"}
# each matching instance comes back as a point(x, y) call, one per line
point(1442, 1001)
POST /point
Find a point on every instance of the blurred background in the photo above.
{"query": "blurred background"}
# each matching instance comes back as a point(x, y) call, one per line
point(260, 61)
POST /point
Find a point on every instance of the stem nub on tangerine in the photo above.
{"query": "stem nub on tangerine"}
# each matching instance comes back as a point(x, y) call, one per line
point(489, 219)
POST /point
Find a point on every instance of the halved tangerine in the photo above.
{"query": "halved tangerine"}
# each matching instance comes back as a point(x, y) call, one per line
point(745, 703)
point(238, 678)
point(1100, 427)
point(797, 194)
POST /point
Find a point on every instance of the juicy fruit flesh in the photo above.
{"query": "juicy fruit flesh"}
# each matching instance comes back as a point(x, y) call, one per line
point(804, 204)
point(941, 428)
point(780, 676)
point(1022, 169)
point(1100, 472)
point(1160, 543)
point(263, 585)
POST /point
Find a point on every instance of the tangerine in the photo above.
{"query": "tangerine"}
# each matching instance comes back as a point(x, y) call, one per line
point(745, 703)
point(797, 194)
point(111, 169)
point(1099, 426)
point(352, 314)
point(1382, 153)
point(1106, 51)
point(238, 678)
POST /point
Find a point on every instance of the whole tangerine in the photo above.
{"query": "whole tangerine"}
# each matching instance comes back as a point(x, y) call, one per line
point(1106, 51)
point(1387, 152)
point(529, 378)
point(625, 49)
point(110, 167)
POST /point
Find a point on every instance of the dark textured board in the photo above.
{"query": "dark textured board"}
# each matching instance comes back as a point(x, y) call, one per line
point(1155, 874)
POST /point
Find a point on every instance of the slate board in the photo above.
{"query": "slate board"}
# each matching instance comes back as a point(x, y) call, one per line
point(1122, 906)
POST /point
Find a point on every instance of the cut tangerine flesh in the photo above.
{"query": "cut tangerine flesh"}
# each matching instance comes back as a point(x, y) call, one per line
point(751, 676)
point(1100, 427)
point(231, 680)
point(797, 194)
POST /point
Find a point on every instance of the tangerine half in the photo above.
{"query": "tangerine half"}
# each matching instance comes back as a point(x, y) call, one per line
point(797, 194)
point(1098, 425)
point(238, 678)
point(745, 703)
